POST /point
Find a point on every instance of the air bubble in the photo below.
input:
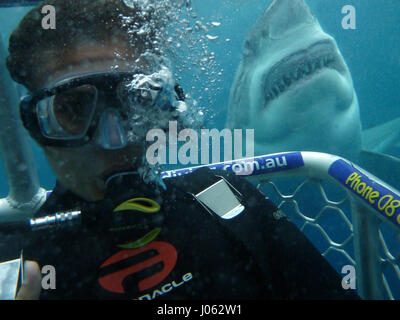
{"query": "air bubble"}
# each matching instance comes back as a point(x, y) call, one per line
point(212, 38)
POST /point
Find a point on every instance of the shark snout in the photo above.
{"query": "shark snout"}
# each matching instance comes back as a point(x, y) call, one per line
point(285, 16)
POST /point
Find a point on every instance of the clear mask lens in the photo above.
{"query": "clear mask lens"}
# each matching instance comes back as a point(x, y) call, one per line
point(67, 115)
point(148, 90)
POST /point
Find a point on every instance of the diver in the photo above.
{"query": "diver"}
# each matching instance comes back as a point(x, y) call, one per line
point(139, 238)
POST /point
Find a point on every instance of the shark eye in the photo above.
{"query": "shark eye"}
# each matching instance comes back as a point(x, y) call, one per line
point(248, 47)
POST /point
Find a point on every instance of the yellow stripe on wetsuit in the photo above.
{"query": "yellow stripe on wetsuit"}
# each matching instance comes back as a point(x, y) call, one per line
point(139, 204)
point(143, 205)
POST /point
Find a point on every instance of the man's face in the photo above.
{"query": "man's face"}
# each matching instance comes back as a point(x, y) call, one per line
point(82, 169)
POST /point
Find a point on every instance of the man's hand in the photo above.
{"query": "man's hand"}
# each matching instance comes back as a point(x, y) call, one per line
point(30, 289)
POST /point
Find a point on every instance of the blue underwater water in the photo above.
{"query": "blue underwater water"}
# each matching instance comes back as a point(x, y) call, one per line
point(372, 52)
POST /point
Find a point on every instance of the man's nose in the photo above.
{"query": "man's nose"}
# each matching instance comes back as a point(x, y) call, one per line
point(110, 133)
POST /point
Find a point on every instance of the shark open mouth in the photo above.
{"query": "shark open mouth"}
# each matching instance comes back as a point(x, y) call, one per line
point(300, 66)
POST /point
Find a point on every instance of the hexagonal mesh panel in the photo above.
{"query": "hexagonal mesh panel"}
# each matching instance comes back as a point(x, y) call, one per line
point(323, 212)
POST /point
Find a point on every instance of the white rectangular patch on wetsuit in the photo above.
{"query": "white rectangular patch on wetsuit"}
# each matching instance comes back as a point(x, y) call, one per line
point(219, 199)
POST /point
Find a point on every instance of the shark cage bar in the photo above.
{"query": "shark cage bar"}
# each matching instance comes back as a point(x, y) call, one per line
point(25, 194)
point(373, 203)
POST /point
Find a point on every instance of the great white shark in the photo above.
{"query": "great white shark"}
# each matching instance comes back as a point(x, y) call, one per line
point(294, 88)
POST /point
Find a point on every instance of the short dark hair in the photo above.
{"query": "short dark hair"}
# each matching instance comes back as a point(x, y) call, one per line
point(101, 20)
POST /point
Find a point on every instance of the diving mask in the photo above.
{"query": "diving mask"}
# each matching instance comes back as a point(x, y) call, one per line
point(95, 107)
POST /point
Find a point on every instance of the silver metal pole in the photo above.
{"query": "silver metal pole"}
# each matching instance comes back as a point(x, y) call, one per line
point(15, 150)
point(367, 253)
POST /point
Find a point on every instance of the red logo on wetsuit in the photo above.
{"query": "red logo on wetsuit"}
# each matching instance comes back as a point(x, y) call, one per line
point(166, 253)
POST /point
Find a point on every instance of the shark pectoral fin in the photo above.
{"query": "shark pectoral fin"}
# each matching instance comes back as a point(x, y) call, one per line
point(384, 138)
point(383, 166)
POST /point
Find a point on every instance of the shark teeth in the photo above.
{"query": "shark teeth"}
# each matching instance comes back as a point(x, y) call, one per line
point(299, 66)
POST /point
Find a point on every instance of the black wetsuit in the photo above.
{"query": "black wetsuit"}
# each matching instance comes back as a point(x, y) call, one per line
point(194, 255)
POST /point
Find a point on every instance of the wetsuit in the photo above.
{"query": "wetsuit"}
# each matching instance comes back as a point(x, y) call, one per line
point(180, 251)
